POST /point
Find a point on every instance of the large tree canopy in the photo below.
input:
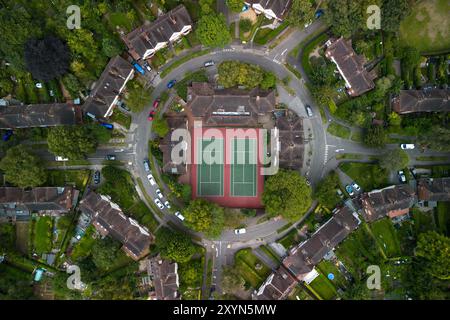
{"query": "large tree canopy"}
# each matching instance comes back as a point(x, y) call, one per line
point(435, 249)
point(212, 31)
point(235, 5)
point(301, 12)
point(71, 142)
point(394, 160)
point(47, 58)
point(287, 194)
point(23, 168)
point(174, 245)
point(437, 138)
point(136, 96)
point(204, 216)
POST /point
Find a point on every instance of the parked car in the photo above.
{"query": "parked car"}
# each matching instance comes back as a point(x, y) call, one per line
point(356, 187)
point(146, 165)
point(97, 177)
point(151, 115)
point(7, 135)
point(167, 204)
point(39, 85)
point(107, 125)
point(151, 179)
point(401, 176)
point(339, 193)
point(319, 13)
point(309, 110)
point(179, 215)
point(209, 63)
point(407, 146)
point(159, 193)
point(349, 190)
point(159, 204)
point(110, 157)
point(156, 103)
point(240, 231)
point(147, 66)
point(171, 83)
point(138, 68)
point(59, 158)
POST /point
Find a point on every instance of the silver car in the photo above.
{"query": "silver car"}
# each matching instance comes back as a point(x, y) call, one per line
point(159, 204)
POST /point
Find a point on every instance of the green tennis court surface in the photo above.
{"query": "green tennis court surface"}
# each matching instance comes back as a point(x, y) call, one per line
point(210, 173)
point(243, 168)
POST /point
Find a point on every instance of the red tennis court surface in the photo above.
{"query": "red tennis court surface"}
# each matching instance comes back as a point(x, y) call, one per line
point(241, 185)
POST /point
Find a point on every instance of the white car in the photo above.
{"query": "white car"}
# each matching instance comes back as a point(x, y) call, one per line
point(159, 204)
point(209, 63)
point(240, 231)
point(179, 215)
point(59, 158)
point(151, 179)
point(309, 110)
point(167, 204)
point(401, 176)
point(159, 193)
point(356, 187)
point(146, 166)
point(407, 146)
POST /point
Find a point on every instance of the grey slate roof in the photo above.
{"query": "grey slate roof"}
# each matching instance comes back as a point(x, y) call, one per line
point(279, 7)
point(291, 139)
point(228, 107)
point(434, 189)
point(428, 100)
point(277, 286)
point(164, 275)
point(381, 203)
point(37, 115)
point(177, 121)
point(109, 219)
point(108, 86)
point(148, 36)
point(350, 65)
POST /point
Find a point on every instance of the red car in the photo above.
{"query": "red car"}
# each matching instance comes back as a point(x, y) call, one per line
point(156, 103)
point(151, 115)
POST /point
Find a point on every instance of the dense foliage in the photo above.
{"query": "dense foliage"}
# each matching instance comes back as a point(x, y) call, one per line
point(71, 142)
point(204, 216)
point(174, 245)
point(212, 31)
point(234, 73)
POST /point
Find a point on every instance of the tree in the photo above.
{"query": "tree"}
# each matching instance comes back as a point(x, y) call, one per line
point(72, 84)
point(437, 138)
point(160, 126)
point(326, 190)
point(136, 96)
point(435, 250)
point(235, 5)
point(375, 137)
point(71, 142)
point(286, 193)
point(174, 245)
point(212, 31)
point(347, 17)
point(392, 13)
point(47, 59)
point(269, 81)
point(394, 160)
point(105, 253)
point(111, 47)
point(204, 216)
point(245, 25)
point(233, 73)
point(22, 168)
point(300, 13)
point(394, 119)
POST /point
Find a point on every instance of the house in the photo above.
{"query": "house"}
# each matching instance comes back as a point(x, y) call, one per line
point(433, 189)
point(277, 286)
point(392, 201)
point(426, 100)
point(108, 219)
point(272, 9)
point(18, 203)
point(39, 115)
point(303, 258)
point(350, 66)
point(146, 40)
point(105, 94)
point(164, 278)
point(174, 121)
point(229, 107)
point(291, 138)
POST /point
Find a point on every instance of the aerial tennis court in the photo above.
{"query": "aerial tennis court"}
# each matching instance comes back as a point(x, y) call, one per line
point(243, 168)
point(210, 168)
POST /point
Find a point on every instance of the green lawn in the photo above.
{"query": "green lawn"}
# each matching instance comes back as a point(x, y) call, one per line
point(386, 236)
point(60, 178)
point(427, 27)
point(43, 235)
point(368, 176)
point(301, 293)
point(290, 239)
point(327, 267)
point(246, 263)
point(423, 221)
point(357, 136)
point(323, 287)
point(265, 35)
point(121, 118)
point(349, 156)
point(443, 217)
point(122, 20)
point(83, 248)
point(339, 131)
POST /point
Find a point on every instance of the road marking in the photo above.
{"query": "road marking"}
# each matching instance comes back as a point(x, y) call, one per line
point(284, 51)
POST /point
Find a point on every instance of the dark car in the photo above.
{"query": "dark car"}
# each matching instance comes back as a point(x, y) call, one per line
point(107, 125)
point(97, 177)
point(7, 135)
point(171, 83)
point(110, 157)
